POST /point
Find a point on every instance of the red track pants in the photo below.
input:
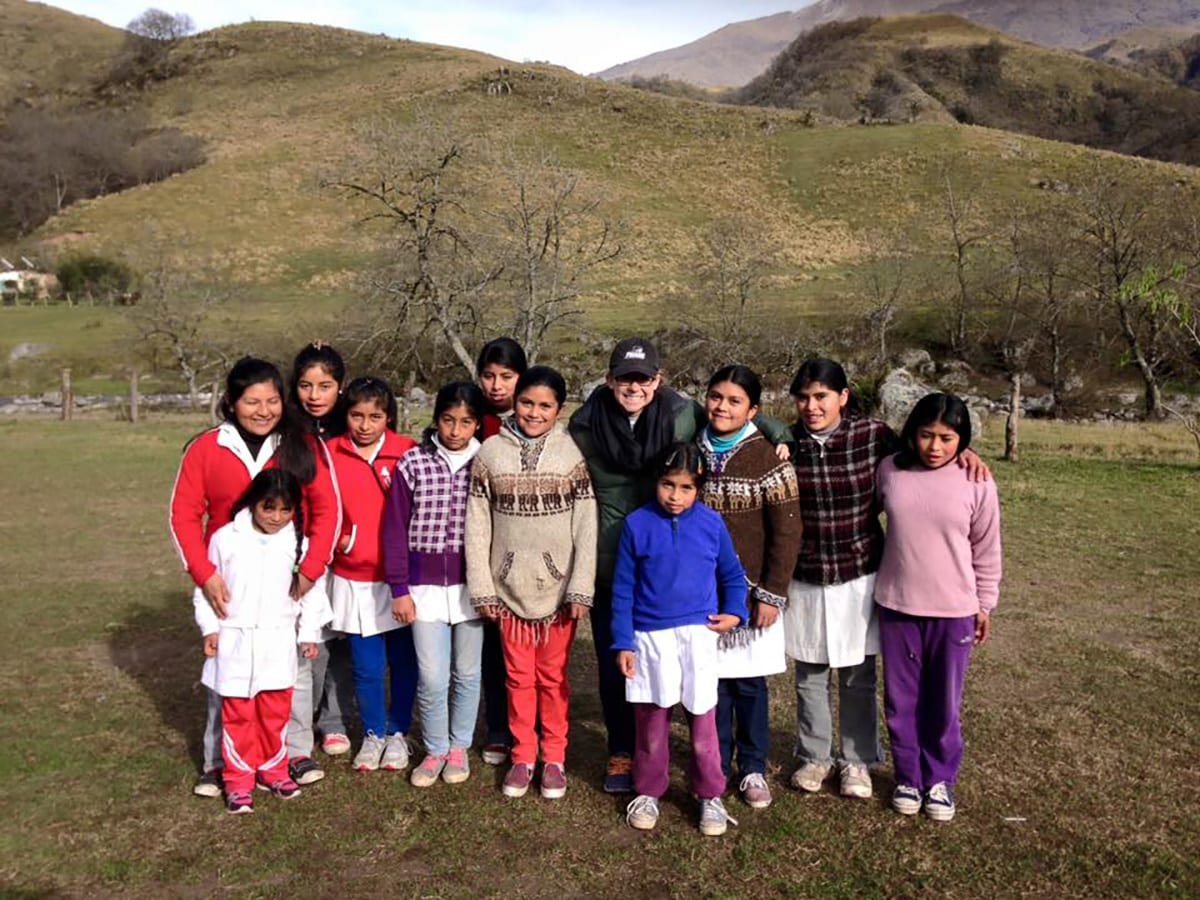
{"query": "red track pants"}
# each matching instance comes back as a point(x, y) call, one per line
point(254, 739)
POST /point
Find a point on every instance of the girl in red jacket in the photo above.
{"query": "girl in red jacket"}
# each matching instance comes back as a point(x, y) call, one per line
point(364, 460)
point(217, 467)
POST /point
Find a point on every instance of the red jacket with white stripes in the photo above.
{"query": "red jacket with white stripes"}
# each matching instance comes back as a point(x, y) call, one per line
point(364, 487)
point(216, 469)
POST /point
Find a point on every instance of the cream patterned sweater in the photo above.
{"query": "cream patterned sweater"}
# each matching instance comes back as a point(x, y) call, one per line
point(531, 526)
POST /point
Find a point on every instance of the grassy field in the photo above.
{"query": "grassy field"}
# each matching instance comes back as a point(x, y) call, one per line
point(1082, 719)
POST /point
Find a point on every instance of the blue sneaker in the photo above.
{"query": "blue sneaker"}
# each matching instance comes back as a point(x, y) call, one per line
point(906, 800)
point(939, 802)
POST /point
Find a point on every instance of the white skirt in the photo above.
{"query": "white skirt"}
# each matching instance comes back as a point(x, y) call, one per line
point(450, 604)
point(763, 654)
point(250, 660)
point(361, 607)
point(675, 665)
point(832, 624)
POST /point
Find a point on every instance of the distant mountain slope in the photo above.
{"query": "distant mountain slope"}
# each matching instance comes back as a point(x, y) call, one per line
point(915, 68)
point(1178, 62)
point(48, 51)
point(736, 53)
point(1127, 47)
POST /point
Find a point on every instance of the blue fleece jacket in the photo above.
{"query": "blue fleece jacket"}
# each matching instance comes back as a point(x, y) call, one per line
point(674, 571)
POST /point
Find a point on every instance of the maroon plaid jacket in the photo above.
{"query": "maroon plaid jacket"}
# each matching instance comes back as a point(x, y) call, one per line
point(842, 536)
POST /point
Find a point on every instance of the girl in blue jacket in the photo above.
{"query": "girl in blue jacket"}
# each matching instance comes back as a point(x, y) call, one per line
point(677, 587)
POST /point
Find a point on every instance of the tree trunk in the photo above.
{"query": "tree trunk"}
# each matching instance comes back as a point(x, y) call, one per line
point(1014, 417)
point(133, 395)
point(214, 403)
point(1056, 377)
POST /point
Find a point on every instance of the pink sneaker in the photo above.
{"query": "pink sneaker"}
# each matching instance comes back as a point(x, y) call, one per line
point(426, 774)
point(516, 782)
point(554, 781)
point(457, 769)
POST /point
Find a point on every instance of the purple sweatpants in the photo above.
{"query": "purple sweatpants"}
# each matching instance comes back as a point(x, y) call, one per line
point(924, 666)
point(652, 752)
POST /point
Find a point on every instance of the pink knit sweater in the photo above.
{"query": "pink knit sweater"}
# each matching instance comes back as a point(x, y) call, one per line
point(941, 557)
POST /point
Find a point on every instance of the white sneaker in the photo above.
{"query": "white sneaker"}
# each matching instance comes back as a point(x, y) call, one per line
point(856, 781)
point(754, 791)
point(714, 819)
point(810, 776)
point(642, 812)
point(395, 753)
point(369, 754)
point(939, 802)
point(906, 800)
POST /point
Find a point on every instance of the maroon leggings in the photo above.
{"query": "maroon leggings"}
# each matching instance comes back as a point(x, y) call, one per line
point(652, 752)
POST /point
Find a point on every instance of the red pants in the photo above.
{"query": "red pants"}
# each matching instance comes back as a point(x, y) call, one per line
point(537, 687)
point(254, 739)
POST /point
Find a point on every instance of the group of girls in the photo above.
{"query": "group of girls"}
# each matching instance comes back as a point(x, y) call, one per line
point(708, 544)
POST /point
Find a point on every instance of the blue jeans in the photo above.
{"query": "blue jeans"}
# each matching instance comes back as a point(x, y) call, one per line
point(371, 658)
point(449, 661)
point(743, 721)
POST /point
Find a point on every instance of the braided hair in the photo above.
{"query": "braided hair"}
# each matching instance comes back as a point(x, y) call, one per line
point(283, 486)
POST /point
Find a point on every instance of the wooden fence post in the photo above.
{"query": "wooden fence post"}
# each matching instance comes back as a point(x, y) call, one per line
point(214, 401)
point(133, 395)
point(1011, 438)
point(68, 396)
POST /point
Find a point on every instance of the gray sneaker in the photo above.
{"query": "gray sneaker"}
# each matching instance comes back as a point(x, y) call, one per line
point(369, 754)
point(395, 753)
point(810, 776)
point(642, 812)
point(713, 817)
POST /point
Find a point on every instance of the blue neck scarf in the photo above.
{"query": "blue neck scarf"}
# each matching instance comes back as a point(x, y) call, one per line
point(723, 445)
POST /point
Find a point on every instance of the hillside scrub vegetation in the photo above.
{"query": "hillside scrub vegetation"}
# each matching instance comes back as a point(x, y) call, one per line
point(936, 67)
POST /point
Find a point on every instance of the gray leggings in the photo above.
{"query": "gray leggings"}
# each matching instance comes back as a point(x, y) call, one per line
point(858, 714)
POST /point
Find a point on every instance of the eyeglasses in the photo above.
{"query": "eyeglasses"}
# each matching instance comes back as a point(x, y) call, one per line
point(635, 378)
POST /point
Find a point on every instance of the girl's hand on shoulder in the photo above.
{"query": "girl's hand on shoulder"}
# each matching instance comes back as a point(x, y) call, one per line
point(722, 622)
point(309, 650)
point(983, 628)
point(977, 469)
point(783, 452)
point(765, 615)
point(577, 611)
point(404, 610)
point(217, 595)
point(625, 662)
point(304, 584)
point(210, 644)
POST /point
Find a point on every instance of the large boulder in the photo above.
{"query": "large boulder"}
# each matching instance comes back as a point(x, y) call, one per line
point(900, 392)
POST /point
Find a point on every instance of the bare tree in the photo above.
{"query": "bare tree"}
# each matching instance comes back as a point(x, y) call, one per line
point(175, 317)
point(158, 25)
point(459, 262)
point(967, 233)
point(882, 291)
point(554, 238)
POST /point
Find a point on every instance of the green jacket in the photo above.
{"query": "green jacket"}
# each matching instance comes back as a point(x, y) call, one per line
point(618, 493)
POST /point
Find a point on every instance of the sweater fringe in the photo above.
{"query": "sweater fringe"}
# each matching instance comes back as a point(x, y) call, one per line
point(529, 632)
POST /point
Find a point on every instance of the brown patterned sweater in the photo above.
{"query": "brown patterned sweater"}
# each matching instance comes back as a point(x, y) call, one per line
point(757, 496)
point(531, 526)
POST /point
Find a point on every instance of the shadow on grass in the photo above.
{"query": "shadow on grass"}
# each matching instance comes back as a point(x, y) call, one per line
point(159, 648)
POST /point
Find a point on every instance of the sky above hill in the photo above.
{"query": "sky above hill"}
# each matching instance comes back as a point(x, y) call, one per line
point(584, 36)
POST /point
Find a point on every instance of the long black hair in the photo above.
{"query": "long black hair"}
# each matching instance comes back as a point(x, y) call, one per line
point(542, 376)
point(743, 376)
point(502, 351)
point(949, 409)
point(826, 372)
point(321, 354)
point(684, 457)
point(369, 388)
point(293, 452)
point(458, 393)
point(280, 485)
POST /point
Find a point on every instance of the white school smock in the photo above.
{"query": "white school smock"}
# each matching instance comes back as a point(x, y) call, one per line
point(436, 603)
point(361, 607)
point(832, 624)
point(675, 665)
point(762, 652)
point(256, 641)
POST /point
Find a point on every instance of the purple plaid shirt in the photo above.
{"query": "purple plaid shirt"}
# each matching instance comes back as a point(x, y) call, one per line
point(425, 521)
point(842, 536)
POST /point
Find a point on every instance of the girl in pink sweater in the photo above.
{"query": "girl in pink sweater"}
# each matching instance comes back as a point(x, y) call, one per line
point(937, 585)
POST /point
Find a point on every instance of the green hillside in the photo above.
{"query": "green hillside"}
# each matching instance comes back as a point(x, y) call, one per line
point(281, 107)
point(940, 68)
point(49, 53)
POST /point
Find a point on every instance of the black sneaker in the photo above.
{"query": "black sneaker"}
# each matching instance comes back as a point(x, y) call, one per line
point(305, 770)
point(209, 784)
point(238, 804)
